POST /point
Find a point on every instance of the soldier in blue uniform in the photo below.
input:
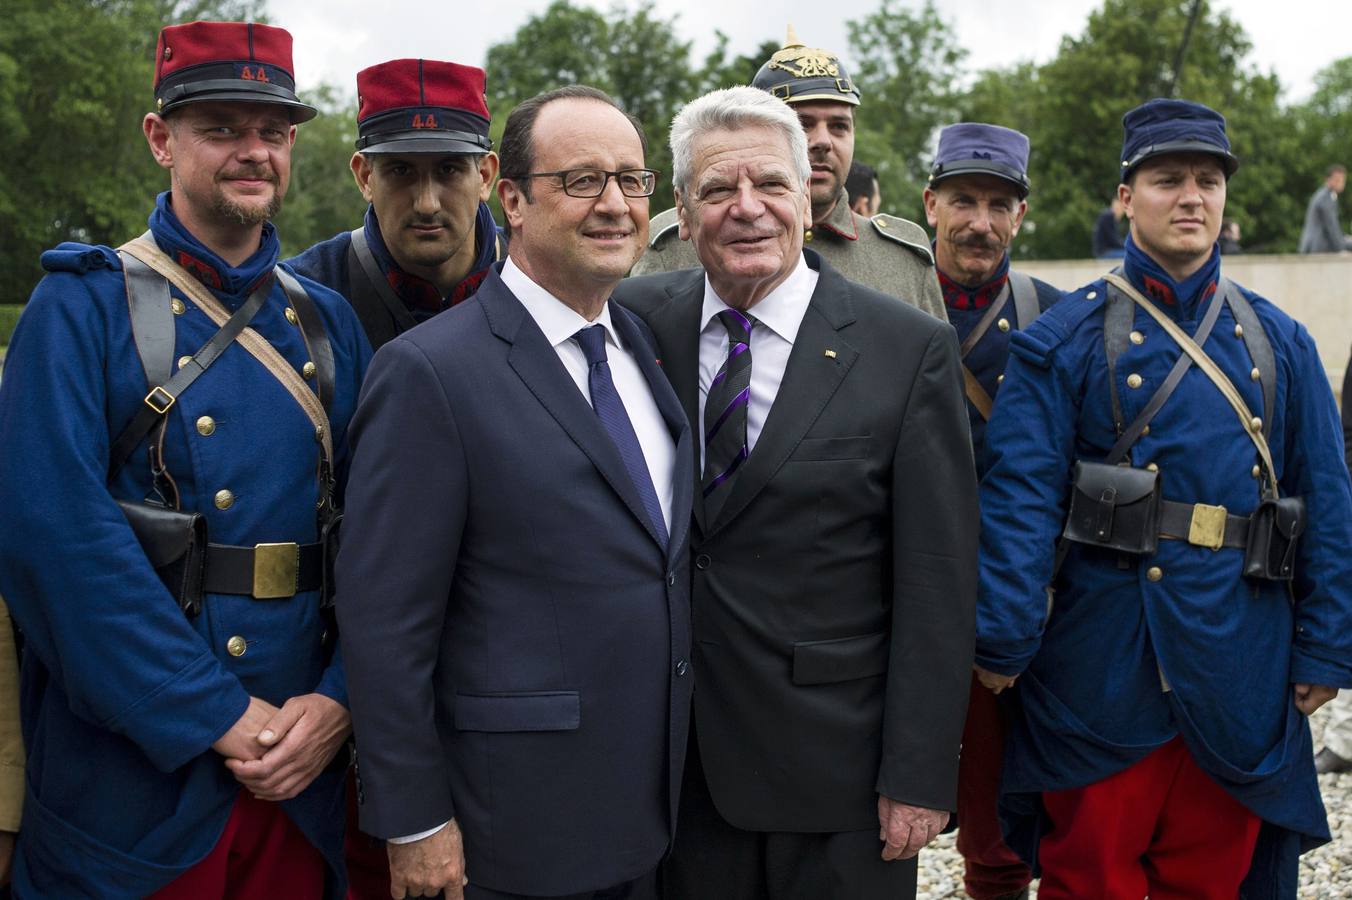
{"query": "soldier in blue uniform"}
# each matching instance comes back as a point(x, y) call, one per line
point(424, 163)
point(182, 715)
point(975, 202)
point(1162, 745)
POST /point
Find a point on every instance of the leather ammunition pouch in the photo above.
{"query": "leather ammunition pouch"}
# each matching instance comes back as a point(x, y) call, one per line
point(175, 543)
point(1274, 532)
point(1114, 507)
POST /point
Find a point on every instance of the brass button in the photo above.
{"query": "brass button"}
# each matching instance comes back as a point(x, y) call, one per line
point(206, 426)
point(183, 361)
point(1137, 337)
point(807, 236)
point(291, 316)
point(1145, 431)
point(177, 306)
point(1091, 295)
point(1254, 374)
point(1003, 325)
point(1256, 424)
point(1239, 331)
point(236, 646)
point(1133, 380)
point(1154, 573)
point(1256, 471)
point(224, 499)
point(1000, 379)
point(1151, 467)
point(308, 370)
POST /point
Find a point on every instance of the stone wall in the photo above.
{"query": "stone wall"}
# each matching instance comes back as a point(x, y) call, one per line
point(1315, 289)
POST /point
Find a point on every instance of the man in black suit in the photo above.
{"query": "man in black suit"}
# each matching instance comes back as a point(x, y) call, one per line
point(834, 539)
point(514, 582)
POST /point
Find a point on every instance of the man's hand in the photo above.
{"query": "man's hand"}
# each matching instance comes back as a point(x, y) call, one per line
point(435, 863)
point(905, 830)
point(1310, 697)
point(299, 740)
point(6, 855)
point(241, 741)
point(993, 682)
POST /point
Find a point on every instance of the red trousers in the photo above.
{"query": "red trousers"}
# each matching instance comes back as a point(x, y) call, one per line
point(261, 856)
point(992, 869)
point(368, 865)
point(1161, 827)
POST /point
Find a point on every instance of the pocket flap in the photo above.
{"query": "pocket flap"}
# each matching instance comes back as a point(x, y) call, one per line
point(535, 711)
point(1124, 485)
point(166, 535)
point(839, 659)
point(1290, 518)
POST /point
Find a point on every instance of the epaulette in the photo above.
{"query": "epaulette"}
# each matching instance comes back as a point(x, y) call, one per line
point(904, 232)
point(1036, 343)
point(661, 224)
point(80, 258)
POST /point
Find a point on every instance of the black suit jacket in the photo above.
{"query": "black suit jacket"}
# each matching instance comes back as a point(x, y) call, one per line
point(834, 595)
point(515, 637)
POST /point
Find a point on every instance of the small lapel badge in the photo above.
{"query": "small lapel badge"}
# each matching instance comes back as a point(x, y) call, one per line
point(830, 354)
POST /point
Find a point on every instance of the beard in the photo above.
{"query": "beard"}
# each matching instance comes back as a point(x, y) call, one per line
point(249, 214)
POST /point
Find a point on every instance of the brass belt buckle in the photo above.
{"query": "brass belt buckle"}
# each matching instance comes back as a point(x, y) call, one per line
point(1208, 526)
point(275, 570)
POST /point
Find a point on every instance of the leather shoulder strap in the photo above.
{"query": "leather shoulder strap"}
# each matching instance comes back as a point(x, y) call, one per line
point(152, 319)
point(976, 394)
point(1118, 317)
point(258, 346)
point(984, 323)
point(315, 335)
point(361, 249)
point(1259, 347)
point(1025, 298)
point(1213, 371)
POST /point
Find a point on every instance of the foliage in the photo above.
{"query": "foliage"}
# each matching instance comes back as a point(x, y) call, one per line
point(9, 317)
point(323, 198)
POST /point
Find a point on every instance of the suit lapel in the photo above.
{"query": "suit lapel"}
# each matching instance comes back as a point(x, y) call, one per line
point(677, 424)
point(538, 365)
point(810, 380)
point(676, 326)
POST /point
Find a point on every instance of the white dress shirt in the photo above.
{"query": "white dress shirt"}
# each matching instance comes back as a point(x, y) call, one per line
point(778, 316)
point(559, 323)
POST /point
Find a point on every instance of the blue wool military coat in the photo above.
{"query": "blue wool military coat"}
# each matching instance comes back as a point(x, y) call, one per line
point(122, 694)
point(1094, 668)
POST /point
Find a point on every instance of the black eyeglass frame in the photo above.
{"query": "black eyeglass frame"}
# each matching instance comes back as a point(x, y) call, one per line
point(563, 180)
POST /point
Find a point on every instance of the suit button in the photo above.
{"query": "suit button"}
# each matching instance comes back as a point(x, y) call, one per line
point(307, 371)
point(671, 580)
point(177, 306)
point(291, 316)
point(1003, 325)
point(225, 499)
point(206, 426)
point(1154, 573)
point(681, 668)
point(702, 561)
point(1133, 380)
point(1137, 337)
point(236, 646)
point(183, 361)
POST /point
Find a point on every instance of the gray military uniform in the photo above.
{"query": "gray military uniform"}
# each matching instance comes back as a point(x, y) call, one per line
point(885, 253)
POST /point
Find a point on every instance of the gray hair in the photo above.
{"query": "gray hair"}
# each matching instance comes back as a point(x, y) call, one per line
point(730, 109)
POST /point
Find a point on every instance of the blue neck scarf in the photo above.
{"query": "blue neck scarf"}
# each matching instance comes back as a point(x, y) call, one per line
point(232, 284)
point(1186, 295)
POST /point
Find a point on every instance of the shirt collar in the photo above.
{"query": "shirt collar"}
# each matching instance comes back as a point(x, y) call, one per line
point(781, 310)
point(841, 220)
point(557, 320)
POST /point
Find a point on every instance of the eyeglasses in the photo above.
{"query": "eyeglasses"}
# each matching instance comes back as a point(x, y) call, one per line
point(591, 183)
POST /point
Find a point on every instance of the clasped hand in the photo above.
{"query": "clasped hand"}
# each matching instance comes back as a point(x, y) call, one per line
point(276, 753)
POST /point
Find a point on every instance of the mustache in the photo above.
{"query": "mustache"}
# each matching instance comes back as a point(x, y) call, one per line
point(262, 173)
point(977, 242)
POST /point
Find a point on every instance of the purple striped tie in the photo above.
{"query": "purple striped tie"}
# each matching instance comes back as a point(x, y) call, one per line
point(725, 446)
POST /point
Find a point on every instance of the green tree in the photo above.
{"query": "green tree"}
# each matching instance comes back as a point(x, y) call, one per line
point(323, 199)
point(908, 65)
point(75, 78)
point(1325, 129)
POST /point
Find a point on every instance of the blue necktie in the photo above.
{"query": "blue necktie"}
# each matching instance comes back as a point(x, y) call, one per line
point(610, 409)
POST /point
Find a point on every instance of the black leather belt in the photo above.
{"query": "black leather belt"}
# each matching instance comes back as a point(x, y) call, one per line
point(264, 571)
point(1203, 525)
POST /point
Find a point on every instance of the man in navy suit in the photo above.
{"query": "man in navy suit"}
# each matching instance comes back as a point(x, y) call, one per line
point(514, 584)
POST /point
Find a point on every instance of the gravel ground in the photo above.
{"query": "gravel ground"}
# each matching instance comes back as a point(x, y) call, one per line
point(1325, 874)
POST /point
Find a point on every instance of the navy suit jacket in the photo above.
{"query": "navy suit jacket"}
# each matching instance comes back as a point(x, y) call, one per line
point(518, 636)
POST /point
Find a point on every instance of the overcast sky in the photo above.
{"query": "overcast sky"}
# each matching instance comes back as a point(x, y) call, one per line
point(336, 38)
